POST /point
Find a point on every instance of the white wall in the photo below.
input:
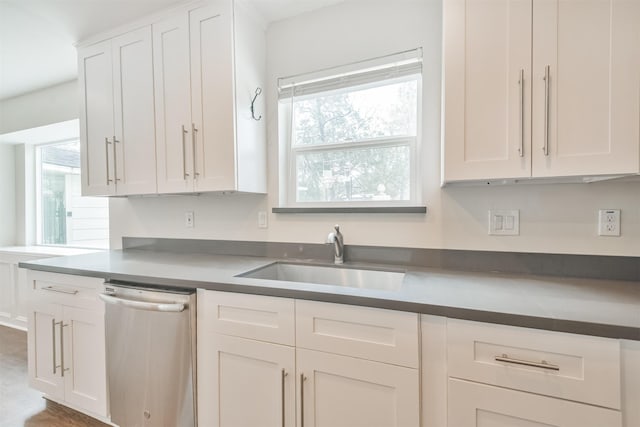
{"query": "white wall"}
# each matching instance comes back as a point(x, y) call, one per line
point(556, 218)
point(51, 105)
point(7, 195)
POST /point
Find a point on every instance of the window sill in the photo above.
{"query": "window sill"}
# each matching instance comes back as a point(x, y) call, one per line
point(354, 209)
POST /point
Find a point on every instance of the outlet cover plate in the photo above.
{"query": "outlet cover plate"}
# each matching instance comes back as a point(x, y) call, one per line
point(609, 222)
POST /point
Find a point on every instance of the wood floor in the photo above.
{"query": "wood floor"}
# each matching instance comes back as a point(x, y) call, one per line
point(21, 405)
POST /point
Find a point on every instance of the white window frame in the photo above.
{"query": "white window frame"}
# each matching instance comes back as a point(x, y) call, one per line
point(288, 152)
point(37, 156)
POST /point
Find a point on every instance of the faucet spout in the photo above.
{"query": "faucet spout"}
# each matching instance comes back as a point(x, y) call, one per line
point(337, 239)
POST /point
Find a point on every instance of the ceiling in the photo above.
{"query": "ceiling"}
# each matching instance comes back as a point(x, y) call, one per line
point(37, 36)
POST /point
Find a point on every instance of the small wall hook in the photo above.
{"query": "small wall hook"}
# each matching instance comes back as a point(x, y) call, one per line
point(253, 114)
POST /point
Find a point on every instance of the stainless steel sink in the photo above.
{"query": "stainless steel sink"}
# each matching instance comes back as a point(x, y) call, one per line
point(385, 280)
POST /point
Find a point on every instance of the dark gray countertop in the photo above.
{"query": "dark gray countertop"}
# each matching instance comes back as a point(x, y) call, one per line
point(606, 308)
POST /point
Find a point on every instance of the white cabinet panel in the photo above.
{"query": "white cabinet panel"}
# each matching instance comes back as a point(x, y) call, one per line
point(480, 405)
point(212, 96)
point(340, 391)
point(117, 116)
point(44, 347)
point(7, 292)
point(66, 341)
point(84, 362)
point(369, 333)
point(174, 148)
point(487, 89)
point(135, 171)
point(96, 119)
point(592, 49)
point(256, 317)
point(208, 63)
point(246, 383)
point(573, 367)
point(538, 89)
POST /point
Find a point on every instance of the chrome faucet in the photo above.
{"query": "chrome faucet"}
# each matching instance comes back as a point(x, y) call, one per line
point(338, 244)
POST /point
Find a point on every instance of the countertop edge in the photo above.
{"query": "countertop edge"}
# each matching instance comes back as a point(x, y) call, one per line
point(478, 315)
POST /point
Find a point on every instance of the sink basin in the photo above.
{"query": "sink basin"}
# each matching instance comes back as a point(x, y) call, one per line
point(384, 280)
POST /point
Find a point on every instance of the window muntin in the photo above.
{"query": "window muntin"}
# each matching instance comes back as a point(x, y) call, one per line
point(64, 217)
point(352, 139)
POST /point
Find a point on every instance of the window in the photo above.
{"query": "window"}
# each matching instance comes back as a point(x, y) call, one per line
point(64, 217)
point(351, 134)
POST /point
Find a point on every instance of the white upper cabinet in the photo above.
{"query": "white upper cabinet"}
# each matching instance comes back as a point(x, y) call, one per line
point(116, 119)
point(208, 63)
point(173, 104)
point(487, 89)
point(589, 124)
point(544, 88)
point(96, 119)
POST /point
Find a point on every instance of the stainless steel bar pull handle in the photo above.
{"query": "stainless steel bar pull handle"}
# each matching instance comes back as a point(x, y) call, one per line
point(521, 82)
point(302, 378)
point(106, 155)
point(284, 374)
point(194, 131)
point(62, 369)
point(60, 290)
point(141, 305)
point(184, 154)
point(542, 364)
point(545, 148)
point(115, 159)
point(53, 345)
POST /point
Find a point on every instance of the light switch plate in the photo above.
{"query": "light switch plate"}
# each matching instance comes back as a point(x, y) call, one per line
point(504, 222)
point(262, 219)
point(188, 219)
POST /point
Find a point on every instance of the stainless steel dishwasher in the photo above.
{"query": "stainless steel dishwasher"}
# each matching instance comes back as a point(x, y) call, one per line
point(150, 342)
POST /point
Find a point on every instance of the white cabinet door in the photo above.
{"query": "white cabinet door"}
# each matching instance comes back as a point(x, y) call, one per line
point(96, 119)
point(592, 51)
point(341, 391)
point(245, 383)
point(479, 405)
point(135, 171)
point(84, 359)
point(487, 89)
point(174, 142)
point(21, 313)
point(212, 96)
point(7, 292)
point(44, 349)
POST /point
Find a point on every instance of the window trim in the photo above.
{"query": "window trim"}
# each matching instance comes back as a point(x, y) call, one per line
point(287, 155)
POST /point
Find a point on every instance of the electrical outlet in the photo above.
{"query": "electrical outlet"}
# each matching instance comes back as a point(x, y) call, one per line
point(504, 222)
point(188, 219)
point(609, 222)
point(262, 219)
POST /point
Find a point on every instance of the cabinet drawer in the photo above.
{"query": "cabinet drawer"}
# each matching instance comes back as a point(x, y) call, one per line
point(472, 404)
point(73, 291)
point(573, 367)
point(368, 333)
point(257, 317)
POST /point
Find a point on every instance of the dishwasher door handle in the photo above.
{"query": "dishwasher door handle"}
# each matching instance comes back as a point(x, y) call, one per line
point(142, 305)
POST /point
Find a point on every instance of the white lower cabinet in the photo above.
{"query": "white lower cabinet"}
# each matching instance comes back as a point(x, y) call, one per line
point(14, 294)
point(341, 391)
point(66, 341)
point(246, 382)
point(506, 376)
point(480, 405)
